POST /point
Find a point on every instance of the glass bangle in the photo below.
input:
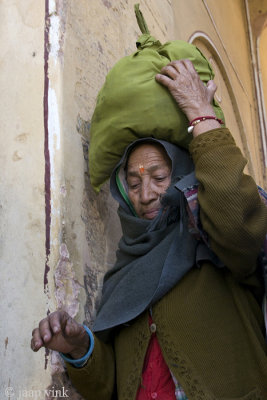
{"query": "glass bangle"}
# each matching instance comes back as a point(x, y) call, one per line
point(87, 355)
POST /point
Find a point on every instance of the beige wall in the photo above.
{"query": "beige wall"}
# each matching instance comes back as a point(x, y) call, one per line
point(80, 235)
point(22, 252)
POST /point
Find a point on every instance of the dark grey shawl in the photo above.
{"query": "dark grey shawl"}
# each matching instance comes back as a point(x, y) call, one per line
point(152, 256)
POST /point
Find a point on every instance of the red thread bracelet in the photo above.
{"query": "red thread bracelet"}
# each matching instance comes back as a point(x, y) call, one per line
point(196, 121)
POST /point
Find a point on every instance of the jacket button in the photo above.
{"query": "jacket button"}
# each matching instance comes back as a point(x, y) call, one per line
point(153, 328)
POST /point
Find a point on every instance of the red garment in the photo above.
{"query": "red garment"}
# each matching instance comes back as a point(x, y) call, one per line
point(157, 382)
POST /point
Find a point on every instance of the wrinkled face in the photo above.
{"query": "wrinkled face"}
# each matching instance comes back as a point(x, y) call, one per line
point(148, 176)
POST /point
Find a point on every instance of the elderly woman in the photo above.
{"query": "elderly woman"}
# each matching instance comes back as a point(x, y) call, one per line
point(180, 316)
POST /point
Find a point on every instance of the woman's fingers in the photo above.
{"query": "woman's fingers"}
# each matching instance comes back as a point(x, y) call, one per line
point(211, 89)
point(164, 80)
point(58, 331)
point(170, 71)
point(187, 89)
point(36, 342)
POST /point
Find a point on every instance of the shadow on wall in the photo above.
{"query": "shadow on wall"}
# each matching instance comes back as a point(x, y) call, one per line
point(102, 233)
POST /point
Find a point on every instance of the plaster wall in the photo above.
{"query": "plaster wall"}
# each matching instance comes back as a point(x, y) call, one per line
point(58, 237)
point(22, 251)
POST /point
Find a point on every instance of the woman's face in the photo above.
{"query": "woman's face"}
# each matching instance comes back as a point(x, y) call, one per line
point(148, 177)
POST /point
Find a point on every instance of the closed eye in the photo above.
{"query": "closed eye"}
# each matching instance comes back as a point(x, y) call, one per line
point(160, 178)
point(133, 186)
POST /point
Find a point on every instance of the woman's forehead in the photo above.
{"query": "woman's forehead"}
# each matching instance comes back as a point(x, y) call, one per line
point(148, 153)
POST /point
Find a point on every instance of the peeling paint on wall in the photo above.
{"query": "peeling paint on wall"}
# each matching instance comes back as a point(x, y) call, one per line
point(67, 287)
point(66, 294)
point(51, 121)
point(53, 132)
point(52, 137)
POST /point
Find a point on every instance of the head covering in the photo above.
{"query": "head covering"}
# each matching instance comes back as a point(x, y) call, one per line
point(153, 255)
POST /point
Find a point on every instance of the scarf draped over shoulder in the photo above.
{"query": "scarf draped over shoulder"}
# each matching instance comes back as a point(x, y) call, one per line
point(153, 255)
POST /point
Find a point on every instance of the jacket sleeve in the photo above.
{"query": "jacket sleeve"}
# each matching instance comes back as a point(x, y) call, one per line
point(231, 210)
point(96, 380)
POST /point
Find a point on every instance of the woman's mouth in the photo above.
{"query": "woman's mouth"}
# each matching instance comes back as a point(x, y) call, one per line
point(150, 214)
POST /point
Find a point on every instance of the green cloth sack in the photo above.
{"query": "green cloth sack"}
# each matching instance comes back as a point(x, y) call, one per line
point(132, 105)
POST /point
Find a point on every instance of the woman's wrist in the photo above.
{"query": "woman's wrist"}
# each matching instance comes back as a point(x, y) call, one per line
point(205, 126)
point(82, 356)
point(200, 111)
point(80, 351)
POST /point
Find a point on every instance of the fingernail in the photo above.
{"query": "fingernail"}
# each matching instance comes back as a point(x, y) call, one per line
point(45, 337)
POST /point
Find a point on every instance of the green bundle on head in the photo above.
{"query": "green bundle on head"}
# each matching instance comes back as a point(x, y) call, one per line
point(132, 105)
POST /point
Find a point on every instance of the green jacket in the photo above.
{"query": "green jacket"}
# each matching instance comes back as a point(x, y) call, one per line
point(210, 325)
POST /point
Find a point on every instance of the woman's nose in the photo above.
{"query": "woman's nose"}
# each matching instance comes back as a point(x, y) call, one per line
point(147, 193)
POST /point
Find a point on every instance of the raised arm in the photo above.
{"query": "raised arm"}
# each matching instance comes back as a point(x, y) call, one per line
point(231, 209)
point(232, 212)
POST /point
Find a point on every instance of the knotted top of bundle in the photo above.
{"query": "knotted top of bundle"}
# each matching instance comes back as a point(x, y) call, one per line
point(132, 105)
